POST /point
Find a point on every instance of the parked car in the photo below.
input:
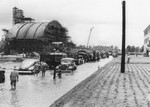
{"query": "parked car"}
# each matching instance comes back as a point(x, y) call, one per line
point(27, 66)
point(103, 54)
point(115, 54)
point(79, 59)
point(67, 65)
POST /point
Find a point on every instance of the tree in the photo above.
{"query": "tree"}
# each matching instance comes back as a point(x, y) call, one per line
point(55, 32)
point(132, 48)
point(59, 32)
point(116, 48)
point(128, 48)
point(112, 46)
point(2, 45)
point(137, 49)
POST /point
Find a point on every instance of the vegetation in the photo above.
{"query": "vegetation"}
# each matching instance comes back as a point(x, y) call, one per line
point(2, 45)
point(134, 49)
point(57, 30)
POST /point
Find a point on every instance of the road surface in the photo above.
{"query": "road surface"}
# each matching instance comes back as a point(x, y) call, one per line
point(38, 91)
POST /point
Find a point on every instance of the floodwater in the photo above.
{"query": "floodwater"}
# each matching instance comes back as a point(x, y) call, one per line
point(38, 91)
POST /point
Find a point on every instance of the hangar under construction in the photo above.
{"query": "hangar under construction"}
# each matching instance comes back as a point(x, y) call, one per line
point(28, 36)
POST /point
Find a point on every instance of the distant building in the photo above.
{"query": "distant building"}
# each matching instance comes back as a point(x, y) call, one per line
point(147, 39)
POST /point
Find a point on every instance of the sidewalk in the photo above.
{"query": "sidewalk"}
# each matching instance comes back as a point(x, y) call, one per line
point(109, 88)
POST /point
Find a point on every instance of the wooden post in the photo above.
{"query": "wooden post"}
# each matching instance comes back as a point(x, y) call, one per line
point(123, 36)
point(54, 75)
point(59, 73)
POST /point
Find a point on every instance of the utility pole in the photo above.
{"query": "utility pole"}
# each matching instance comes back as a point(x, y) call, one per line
point(89, 36)
point(123, 36)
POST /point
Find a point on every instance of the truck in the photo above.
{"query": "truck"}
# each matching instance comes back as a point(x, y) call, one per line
point(52, 59)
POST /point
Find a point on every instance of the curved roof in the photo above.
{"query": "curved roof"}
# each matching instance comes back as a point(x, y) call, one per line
point(32, 30)
point(27, 30)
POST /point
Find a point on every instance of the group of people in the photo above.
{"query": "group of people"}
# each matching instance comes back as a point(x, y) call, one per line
point(14, 76)
point(39, 67)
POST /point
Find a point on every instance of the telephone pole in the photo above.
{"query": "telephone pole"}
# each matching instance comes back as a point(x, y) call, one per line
point(123, 36)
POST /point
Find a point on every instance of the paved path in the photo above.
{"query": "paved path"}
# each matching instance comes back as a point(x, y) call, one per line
point(110, 88)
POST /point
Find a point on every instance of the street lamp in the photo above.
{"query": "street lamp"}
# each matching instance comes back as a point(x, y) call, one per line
point(89, 36)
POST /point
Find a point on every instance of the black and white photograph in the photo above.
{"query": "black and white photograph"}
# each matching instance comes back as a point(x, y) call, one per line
point(74, 53)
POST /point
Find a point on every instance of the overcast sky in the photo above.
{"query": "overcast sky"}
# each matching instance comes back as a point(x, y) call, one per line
point(79, 16)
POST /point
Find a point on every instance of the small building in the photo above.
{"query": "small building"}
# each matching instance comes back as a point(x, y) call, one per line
point(147, 40)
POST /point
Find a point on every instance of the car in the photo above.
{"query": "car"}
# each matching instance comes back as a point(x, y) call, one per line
point(115, 54)
point(78, 59)
point(27, 66)
point(67, 65)
point(103, 54)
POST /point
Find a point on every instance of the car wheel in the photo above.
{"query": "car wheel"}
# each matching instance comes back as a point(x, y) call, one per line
point(72, 71)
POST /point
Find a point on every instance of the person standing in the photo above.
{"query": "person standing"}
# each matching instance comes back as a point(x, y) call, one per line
point(136, 54)
point(2, 75)
point(36, 69)
point(43, 69)
point(128, 56)
point(14, 77)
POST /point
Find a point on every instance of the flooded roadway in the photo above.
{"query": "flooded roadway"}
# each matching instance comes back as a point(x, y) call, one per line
point(38, 91)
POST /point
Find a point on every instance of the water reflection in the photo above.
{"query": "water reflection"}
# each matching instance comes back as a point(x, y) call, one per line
point(14, 98)
point(38, 91)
